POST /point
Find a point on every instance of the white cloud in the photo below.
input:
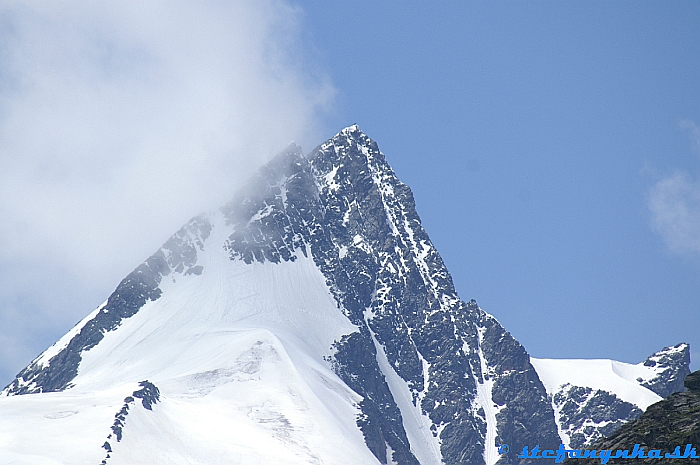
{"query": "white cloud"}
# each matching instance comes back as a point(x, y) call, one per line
point(674, 203)
point(120, 120)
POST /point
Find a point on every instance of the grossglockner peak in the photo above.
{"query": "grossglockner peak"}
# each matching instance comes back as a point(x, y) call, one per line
point(308, 320)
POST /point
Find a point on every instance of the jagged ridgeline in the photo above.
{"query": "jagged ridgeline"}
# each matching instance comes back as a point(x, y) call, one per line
point(325, 247)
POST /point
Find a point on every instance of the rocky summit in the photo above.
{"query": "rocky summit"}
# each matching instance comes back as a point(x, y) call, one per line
point(308, 320)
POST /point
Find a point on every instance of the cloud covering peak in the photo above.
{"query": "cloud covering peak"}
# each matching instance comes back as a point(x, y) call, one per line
point(119, 121)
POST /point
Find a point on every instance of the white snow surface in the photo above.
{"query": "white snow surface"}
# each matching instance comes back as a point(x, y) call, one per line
point(607, 375)
point(238, 356)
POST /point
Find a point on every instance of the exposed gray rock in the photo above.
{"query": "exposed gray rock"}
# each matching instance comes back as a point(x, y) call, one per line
point(587, 415)
point(344, 204)
point(673, 364)
point(149, 395)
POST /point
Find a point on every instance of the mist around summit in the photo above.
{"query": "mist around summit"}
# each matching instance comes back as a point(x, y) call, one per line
point(118, 122)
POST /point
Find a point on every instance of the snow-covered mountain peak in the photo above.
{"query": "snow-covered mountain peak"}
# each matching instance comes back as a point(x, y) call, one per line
point(352, 129)
point(310, 314)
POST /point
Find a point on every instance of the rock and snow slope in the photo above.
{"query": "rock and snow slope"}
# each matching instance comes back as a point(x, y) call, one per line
point(593, 398)
point(309, 320)
point(237, 355)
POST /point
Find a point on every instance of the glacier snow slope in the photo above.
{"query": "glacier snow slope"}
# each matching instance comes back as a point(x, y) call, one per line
point(237, 354)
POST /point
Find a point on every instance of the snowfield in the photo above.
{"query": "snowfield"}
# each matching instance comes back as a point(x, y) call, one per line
point(618, 378)
point(240, 372)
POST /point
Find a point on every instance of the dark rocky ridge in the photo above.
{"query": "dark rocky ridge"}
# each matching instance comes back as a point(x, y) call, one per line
point(579, 406)
point(149, 395)
point(585, 415)
point(178, 255)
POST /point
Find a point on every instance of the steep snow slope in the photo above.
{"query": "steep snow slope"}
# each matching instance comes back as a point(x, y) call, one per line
point(309, 320)
point(237, 353)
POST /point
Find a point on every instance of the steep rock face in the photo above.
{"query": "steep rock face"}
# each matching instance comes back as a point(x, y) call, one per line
point(437, 379)
point(468, 379)
point(587, 415)
point(666, 425)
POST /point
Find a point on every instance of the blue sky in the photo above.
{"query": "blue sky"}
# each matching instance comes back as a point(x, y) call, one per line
point(553, 148)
